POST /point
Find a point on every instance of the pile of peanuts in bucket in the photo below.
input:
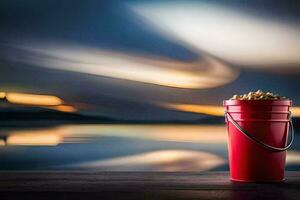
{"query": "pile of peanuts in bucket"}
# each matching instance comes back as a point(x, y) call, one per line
point(258, 95)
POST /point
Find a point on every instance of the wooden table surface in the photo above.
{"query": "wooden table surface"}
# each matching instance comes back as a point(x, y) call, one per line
point(140, 185)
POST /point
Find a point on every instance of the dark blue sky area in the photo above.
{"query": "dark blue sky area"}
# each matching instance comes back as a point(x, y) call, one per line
point(111, 25)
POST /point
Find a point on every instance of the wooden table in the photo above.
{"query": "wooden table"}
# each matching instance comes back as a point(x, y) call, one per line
point(140, 185)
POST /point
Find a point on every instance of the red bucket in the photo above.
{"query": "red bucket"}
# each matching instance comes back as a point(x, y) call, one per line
point(258, 133)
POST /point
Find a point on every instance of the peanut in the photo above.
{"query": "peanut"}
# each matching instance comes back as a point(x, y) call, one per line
point(258, 95)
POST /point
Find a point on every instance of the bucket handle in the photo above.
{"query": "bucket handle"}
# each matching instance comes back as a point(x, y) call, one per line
point(266, 146)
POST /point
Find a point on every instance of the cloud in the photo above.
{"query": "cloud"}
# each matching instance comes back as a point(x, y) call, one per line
point(240, 38)
point(206, 72)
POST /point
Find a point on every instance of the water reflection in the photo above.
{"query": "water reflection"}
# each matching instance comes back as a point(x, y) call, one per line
point(293, 157)
point(166, 160)
point(2, 143)
point(69, 133)
point(31, 138)
point(120, 147)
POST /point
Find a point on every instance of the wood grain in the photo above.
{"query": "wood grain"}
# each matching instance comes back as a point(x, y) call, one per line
point(140, 185)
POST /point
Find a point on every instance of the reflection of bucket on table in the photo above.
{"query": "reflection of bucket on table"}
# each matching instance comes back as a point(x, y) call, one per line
point(257, 144)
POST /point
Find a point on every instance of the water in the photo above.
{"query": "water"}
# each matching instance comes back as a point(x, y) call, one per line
point(120, 148)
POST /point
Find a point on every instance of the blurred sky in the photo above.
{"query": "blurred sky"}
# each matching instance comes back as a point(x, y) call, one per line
point(127, 59)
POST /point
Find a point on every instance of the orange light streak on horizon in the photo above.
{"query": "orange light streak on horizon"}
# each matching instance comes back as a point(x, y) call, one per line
point(2, 95)
point(63, 108)
point(195, 108)
point(213, 110)
point(33, 99)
